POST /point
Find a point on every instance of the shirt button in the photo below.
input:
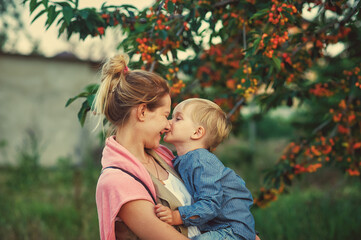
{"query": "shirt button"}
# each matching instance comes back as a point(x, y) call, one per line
point(183, 216)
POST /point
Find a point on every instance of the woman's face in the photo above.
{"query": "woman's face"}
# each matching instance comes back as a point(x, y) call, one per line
point(157, 123)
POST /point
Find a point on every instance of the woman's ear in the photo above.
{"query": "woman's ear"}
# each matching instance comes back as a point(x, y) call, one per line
point(198, 133)
point(141, 111)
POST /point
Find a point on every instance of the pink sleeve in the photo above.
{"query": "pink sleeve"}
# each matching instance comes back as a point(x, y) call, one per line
point(114, 189)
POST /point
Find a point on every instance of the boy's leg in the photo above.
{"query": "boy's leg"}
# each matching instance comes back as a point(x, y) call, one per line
point(221, 234)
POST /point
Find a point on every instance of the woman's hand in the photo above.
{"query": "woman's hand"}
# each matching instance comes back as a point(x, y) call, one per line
point(167, 215)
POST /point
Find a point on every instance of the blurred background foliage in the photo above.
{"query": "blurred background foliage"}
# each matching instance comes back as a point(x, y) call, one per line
point(59, 202)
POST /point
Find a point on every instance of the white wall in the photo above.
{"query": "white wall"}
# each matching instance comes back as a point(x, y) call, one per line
point(33, 93)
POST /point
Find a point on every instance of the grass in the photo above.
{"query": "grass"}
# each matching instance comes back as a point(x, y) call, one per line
point(59, 205)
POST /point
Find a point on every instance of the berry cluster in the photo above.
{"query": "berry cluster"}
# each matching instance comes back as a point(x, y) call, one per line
point(277, 12)
point(237, 18)
point(160, 22)
point(354, 74)
point(247, 87)
point(177, 87)
point(267, 195)
point(321, 90)
point(298, 169)
point(273, 42)
point(205, 2)
point(146, 49)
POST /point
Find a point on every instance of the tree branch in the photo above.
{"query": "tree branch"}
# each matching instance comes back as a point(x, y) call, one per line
point(351, 13)
point(238, 104)
point(224, 3)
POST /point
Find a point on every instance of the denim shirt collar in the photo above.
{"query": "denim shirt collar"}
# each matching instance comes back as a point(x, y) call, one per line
point(178, 159)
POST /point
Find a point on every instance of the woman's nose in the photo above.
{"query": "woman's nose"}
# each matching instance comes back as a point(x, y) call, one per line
point(167, 127)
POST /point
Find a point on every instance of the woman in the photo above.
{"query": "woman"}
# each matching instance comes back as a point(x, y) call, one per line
point(136, 168)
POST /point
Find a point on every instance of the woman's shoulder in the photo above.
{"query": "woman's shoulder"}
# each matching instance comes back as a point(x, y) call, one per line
point(119, 185)
point(113, 177)
point(165, 153)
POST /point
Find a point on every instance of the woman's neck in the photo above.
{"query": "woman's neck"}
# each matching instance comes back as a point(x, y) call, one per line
point(128, 138)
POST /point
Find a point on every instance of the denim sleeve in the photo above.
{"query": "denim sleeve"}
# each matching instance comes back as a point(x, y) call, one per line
point(207, 194)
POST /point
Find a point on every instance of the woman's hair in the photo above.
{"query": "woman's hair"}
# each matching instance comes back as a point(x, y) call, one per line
point(121, 89)
point(209, 115)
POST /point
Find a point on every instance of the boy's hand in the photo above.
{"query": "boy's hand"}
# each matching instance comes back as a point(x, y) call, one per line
point(167, 215)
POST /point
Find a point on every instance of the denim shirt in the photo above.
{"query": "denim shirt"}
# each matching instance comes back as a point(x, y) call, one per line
point(221, 198)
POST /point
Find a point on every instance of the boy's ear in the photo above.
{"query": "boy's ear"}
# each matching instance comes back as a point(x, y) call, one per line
point(198, 133)
point(141, 111)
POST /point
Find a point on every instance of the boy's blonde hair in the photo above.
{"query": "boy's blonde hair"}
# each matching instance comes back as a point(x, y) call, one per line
point(210, 116)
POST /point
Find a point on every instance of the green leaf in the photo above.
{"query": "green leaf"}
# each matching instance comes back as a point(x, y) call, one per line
point(52, 14)
point(63, 4)
point(62, 28)
point(84, 13)
point(163, 34)
point(32, 5)
point(260, 13)
point(68, 14)
point(92, 88)
point(90, 99)
point(82, 112)
point(256, 44)
point(170, 7)
point(38, 15)
point(277, 63)
point(70, 100)
point(90, 26)
point(140, 27)
point(45, 3)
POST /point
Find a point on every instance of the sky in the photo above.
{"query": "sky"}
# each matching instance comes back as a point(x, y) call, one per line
point(50, 45)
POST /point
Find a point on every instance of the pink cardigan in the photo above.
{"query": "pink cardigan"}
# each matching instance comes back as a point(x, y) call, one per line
point(116, 188)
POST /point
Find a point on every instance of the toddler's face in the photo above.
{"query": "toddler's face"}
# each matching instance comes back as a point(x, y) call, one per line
point(181, 126)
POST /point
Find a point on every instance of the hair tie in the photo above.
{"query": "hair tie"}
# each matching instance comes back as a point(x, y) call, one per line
point(126, 69)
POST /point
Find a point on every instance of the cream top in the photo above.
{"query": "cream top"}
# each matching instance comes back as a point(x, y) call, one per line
point(175, 186)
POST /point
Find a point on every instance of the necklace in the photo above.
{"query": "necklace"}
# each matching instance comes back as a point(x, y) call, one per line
point(156, 169)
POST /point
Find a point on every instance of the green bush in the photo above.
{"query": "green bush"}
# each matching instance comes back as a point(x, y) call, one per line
point(269, 126)
point(312, 214)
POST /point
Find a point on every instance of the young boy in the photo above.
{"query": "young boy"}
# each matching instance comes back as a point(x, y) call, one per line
point(222, 203)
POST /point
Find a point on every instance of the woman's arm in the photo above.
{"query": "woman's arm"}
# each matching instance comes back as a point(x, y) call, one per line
point(140, 217)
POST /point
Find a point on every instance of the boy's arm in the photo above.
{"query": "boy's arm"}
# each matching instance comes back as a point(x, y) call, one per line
point(167, 215)
point(205, 180)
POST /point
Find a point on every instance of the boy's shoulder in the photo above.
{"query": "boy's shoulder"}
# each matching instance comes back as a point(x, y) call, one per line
point(202, 155)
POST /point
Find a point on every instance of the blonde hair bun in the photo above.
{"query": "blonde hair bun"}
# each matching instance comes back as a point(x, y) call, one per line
point(116, 65)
